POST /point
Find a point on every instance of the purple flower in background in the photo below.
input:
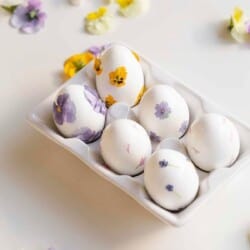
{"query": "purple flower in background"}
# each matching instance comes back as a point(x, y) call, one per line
point(154, 137)
point(97, 50)
point(162, 110)
point(87, 135)
point(183, 127)
point(248, 26)
point(29, 18)
point(163, 163)
point(94, 100)
point(170, 188)
point(64, 109)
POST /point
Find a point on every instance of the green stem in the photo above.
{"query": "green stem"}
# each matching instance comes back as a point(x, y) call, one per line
point(10, 8)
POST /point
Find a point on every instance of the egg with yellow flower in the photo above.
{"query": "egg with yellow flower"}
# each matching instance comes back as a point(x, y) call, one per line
point(119, 76)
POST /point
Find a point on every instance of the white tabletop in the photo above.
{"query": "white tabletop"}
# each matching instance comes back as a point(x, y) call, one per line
point(48, 198)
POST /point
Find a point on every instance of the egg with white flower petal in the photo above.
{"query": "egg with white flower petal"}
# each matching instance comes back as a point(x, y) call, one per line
point(213, 142)
point(164, 113)
point(79, 112)
point(119, 76)
point(170, 179)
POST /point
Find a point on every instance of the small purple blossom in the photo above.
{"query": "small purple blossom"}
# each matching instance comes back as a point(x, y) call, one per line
point(163, 163)
point(97, 50)
point(87, 135)
point(29, 18)
point(183, 127)
point(154, 137)
point(170, 188)
point(64, 109)
point(94, 100)
point(162, 110)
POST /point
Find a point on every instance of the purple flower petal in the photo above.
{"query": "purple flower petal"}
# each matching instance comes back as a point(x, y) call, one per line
point(19, 17)
point(87, 135)
point(170, 188)
point(94, 100)
point(154, 137)
point(34, 4)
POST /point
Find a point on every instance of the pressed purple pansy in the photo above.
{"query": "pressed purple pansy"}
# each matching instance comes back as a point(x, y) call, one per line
point(87, 135)
point(94, 100)
point(170, 188)
point(183, 127)
point(28, 18)
point(154, 137)
point(162, 110)
point(163, 163)
point(64, 109)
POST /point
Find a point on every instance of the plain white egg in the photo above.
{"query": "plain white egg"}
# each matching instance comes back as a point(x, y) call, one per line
point(119, 76)
point(79, 112)
point(213, 142)
point(163, 113)
point(170, 179)
point(125, 146)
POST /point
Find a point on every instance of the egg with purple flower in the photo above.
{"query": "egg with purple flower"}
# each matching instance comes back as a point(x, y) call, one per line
point(171, 179)
point(79, 112)
point(164, 113)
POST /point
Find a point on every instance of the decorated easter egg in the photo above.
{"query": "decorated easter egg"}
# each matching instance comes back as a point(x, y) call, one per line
point(79, 112)
point(163, 112)
point(213, 142)
point(170, 179)
point(119, 76)
point(125, 146)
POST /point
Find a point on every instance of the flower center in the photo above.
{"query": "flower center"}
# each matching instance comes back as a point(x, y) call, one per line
point(32, 15)
point(78, 65)
point(58, 109)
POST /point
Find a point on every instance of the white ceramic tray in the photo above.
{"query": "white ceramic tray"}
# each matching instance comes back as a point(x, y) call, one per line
point(41, 119)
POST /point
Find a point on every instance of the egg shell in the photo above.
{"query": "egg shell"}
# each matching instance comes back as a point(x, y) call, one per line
point(79, 112)
point(119, 76)
point(170, 179)
point(213, 142)
point(164, 113)
point(125, 146)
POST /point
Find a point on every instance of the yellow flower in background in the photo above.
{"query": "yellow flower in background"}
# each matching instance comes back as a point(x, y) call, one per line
point(132, 8)
point(238, 25)
point(76, 62)
point(98, 22)
point(141, 93)
point(109, 101)
point(96, 15)
point(118, 77)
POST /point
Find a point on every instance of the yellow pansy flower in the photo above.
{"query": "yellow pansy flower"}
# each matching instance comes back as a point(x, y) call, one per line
point(132, 8)
point(76, 62)
point(109, 101)
point(98, 22)
point(118, 77)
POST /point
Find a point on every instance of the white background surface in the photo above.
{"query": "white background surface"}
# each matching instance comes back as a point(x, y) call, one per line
point(48, 197)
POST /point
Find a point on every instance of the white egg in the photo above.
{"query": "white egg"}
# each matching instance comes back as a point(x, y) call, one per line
point(170, 179)
point(79, 112)
point(125, 146)
point(119, 76)
point(163, 113)
point(213, 142)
